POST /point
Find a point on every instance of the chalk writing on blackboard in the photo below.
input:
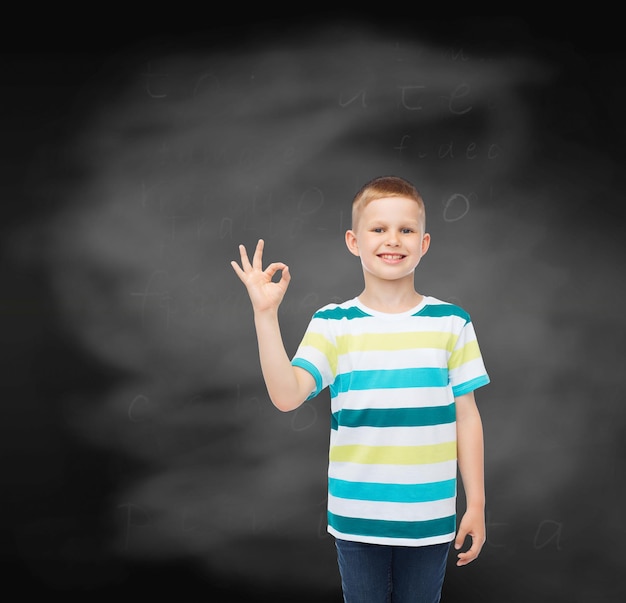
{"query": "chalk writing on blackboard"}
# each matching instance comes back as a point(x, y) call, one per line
point(410, 99)
point(360, 94)
point(402, 147)
point(456, 207)
point(461, 91)
point(153, 81)
point(548, 531)
point(491, 526)
point(134, 409)
point(135, 517)
point(162, 296)
point(303, 417)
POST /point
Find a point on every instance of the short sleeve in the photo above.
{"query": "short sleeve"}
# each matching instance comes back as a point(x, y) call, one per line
point(466, 368)
point(317, 352)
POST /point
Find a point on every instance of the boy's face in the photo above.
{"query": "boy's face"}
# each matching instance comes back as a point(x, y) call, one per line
point(389, 238)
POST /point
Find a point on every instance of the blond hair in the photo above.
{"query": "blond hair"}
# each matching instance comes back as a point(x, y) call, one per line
point(386, 186)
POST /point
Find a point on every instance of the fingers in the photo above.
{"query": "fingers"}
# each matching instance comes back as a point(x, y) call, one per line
point(257, 264)
point(245, 262)
point(273, 268)
point(257, 260)
point(468, 556)
point(472, 553)
point(239, 271)
point(461, 535)
point(236, 268)
point(286, 277)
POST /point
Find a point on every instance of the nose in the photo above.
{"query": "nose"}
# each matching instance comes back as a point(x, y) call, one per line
point(392, 238)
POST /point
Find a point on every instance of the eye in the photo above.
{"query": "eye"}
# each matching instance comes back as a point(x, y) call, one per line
point(406, 230)
point(377, 229)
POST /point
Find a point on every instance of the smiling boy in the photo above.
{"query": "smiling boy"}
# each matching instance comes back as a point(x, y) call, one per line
point(402, 368)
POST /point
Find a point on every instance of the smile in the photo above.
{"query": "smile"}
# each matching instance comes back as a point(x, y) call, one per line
point(390, 256)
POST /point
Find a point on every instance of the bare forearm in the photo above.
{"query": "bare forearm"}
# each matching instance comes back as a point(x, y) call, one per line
point(286, 386)
point(470, 454)
point(470, 451)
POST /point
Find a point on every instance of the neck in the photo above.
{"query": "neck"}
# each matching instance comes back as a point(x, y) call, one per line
point(392, 297)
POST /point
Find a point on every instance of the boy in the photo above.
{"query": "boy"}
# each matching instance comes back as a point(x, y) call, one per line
point(402, 369)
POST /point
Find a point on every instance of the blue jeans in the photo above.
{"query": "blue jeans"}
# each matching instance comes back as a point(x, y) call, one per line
point(375, 573)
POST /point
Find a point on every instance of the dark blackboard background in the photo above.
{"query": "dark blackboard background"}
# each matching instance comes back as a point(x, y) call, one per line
point(140, 454)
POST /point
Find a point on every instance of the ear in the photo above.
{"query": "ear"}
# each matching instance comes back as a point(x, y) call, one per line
point(351, 243)
point(425, 243)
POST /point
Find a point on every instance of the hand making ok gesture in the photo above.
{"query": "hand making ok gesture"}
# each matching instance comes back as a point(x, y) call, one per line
point(265, 294)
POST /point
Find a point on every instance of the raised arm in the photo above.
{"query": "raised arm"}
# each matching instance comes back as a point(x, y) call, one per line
point(288, 386)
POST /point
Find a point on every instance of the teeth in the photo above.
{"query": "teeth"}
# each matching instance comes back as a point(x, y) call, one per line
point(391, 257)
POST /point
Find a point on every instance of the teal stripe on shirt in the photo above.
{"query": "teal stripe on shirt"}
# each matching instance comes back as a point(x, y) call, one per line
point(393, 529)
point(389, 379)
point(395, 417)
point(311, 368)
point(339, 313)
point(399, 493)
point(470, 386)
point(441, 310)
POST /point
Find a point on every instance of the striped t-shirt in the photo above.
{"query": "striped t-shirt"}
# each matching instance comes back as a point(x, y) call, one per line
point(393, 379)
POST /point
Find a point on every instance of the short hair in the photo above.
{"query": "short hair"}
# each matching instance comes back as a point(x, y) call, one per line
point(387, 186)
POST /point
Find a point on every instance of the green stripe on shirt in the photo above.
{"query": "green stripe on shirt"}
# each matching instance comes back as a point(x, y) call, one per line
point(442, 310)
point(393, 529)
point(395, 417)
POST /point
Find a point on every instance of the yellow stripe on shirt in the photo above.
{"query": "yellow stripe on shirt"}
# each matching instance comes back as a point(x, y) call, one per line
point(368, 342)
point(394, 455)
point(469, 351)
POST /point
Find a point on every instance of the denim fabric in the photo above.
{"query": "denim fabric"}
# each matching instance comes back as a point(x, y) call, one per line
point(374, 573)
